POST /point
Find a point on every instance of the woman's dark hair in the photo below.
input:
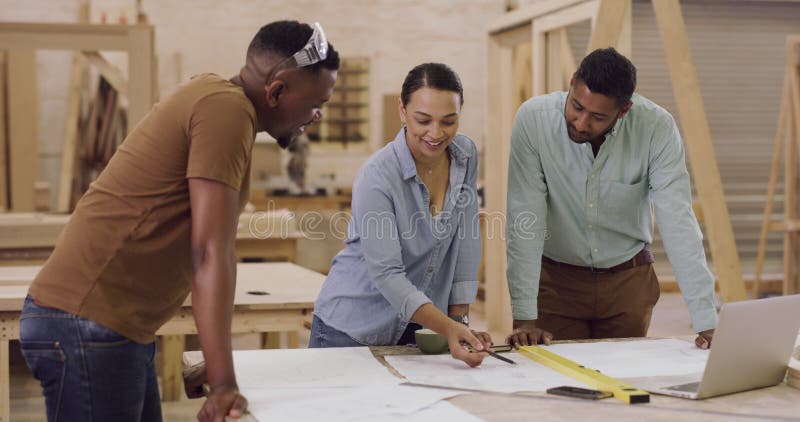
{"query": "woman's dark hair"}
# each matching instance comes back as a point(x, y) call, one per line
point(432, 75)
point(286, 38)
point(605, 71)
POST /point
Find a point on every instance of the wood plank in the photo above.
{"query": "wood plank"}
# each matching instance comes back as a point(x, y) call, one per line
point(567, 58)
point(609, 23)
point(23, 138)
point(500, 111)
point(543, 28)
point(555, 74)
point(697, 138)
point(521, 72)
point(112, 73)
point(172, 347)
point(524, 15)
point(3, 136)
point(65, 36)
point(271, 340)
point(625, 39)
point(5, 391)
point(539, 64)
point(69, 151)
point(784, 226)
point(771, 186)
point(391, 117)
point(30, 230)
point(791, 198)
point(141, 75)
point(574, 14)
point(292, 340)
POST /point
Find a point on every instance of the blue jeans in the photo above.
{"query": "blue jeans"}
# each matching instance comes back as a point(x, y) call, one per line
point(87, 371)
point(323, 335)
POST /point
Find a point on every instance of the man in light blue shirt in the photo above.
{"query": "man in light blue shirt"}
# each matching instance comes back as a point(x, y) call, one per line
point(585, 168)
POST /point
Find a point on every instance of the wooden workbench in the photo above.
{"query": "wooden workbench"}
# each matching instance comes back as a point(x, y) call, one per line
point(291, 290)
point(780, 402)
point(29, 238)
point(300, 203)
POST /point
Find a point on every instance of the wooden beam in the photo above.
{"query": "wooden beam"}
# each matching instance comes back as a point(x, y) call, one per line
point(554, 22)
point(3, 136)
point(555, 75)
point(580, 12)
point(567, 58)
point(609, 24)
point(514, 37)
point(524, 15)
point(697, 136)
point(112, 73)
point(539, 64)
point(5, 393)
point(521, 73)
point(784, 226)
point(141, 73)
point(172, 347)
point(791, 200)
point(766, 225)
point(625, 40)
point(66, 36)
point(23, 138)
point(500, 109)
point(136, 40)
point(69, 151)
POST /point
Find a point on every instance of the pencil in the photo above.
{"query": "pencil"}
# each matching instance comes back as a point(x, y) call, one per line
point(504, 359)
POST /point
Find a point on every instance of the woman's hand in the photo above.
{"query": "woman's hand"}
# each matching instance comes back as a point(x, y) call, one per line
point(457, 334)
point(484, 337)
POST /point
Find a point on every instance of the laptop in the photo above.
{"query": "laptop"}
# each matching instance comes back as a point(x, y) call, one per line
point(751, 349)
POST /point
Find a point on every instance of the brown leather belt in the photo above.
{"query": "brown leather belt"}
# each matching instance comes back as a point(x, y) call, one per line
point(644, 257)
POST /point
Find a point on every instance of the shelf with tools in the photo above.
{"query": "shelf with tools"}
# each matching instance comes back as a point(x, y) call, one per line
point(345, 121)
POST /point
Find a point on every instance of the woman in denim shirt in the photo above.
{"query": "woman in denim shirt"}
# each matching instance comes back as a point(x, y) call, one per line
point(413, 246)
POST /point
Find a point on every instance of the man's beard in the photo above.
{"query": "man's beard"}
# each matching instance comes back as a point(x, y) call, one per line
point(285, 141)
point(590, 140)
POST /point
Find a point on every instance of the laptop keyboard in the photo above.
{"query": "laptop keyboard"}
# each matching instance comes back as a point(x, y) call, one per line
point(691, 387)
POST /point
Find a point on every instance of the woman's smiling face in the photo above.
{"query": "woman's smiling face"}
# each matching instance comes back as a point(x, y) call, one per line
point(431, 119)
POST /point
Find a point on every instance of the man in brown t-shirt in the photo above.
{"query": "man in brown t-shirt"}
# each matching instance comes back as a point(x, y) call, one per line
point(159, 222)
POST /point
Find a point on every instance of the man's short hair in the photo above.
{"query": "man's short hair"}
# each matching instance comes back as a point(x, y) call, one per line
point(285, 38)
point(605, 71)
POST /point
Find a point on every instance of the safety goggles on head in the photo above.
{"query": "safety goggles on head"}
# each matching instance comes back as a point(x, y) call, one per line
point(315, 50)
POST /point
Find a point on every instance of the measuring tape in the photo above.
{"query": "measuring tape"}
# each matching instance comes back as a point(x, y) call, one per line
point(592, 377)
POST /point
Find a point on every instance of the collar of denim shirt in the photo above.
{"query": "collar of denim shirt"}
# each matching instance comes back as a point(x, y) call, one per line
point(455, 149)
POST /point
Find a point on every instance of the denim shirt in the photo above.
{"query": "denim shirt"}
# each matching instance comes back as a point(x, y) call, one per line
point(397, 256)
point(579, 209)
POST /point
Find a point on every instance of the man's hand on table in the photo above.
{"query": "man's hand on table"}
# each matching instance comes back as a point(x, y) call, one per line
point(222, 402)
point(704, 338)
point(526, 334)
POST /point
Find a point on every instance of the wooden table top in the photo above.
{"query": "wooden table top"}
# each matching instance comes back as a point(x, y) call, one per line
point(780, 402)
point(36, 230)
point(286, 286)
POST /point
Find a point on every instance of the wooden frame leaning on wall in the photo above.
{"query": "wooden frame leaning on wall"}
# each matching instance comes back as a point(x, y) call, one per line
point(141, 88)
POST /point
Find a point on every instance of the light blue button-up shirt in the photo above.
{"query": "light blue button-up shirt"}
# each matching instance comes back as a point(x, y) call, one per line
point(397, 256)
point(579, 209)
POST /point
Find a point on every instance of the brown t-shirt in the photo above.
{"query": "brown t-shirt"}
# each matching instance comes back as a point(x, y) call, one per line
point(124, 260)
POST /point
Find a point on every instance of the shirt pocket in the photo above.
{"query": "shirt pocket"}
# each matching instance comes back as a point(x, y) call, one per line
point(622, 204)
